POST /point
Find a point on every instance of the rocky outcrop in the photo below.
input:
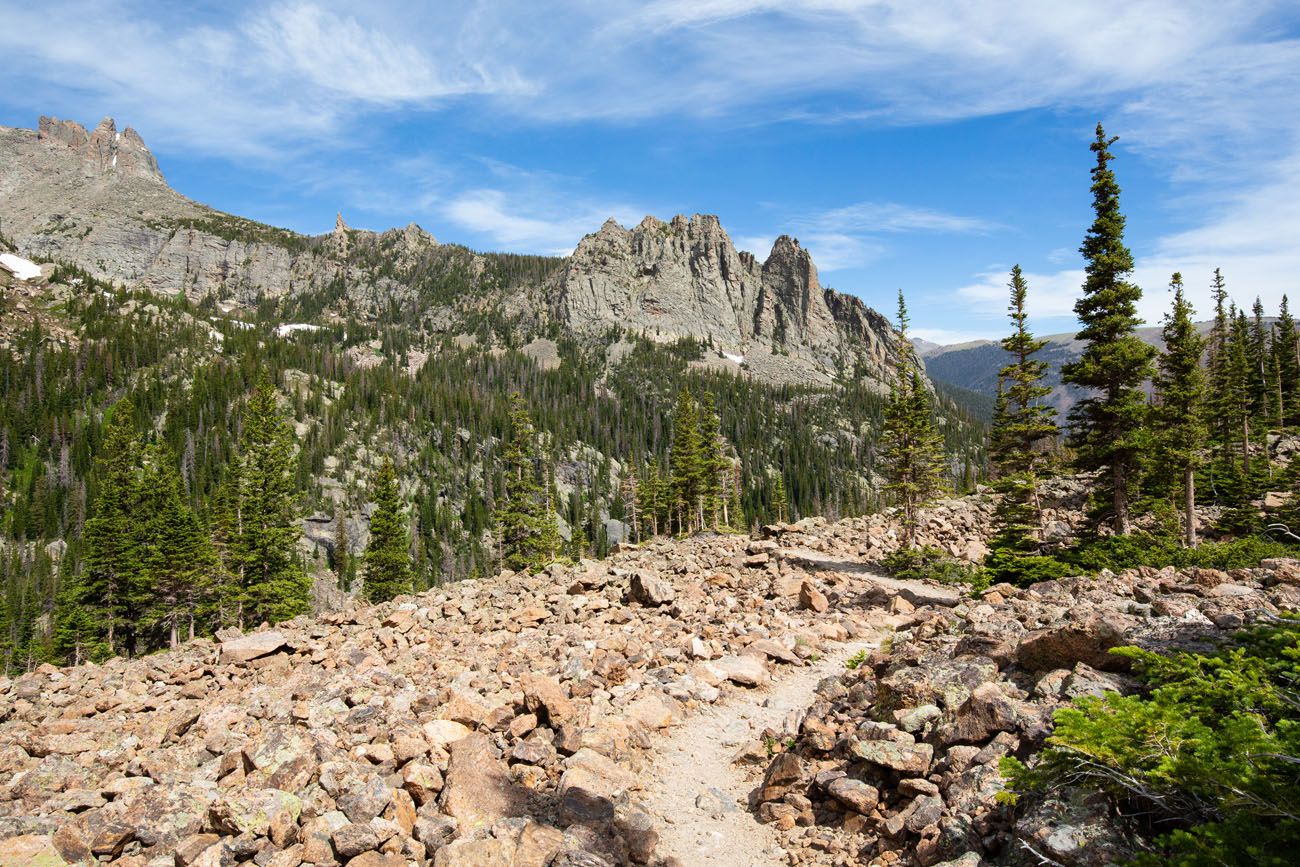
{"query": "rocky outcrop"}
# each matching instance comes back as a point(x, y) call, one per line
point(685, 278)
point(105, 151)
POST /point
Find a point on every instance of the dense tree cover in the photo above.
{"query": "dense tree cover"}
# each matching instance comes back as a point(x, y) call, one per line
point(1106, 425)
point(1203, 763)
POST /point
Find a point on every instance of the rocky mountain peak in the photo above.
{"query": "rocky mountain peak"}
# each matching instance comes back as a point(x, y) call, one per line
point(105, 151)
point(685, 278)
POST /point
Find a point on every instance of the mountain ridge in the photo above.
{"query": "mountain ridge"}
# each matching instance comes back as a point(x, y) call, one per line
point(99, 200)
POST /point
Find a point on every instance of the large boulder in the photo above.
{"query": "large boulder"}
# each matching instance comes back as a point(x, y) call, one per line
point(477, 790)
point(249, 647)
point(1088, 641)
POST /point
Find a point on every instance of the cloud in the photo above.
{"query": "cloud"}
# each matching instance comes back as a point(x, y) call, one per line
point(262, 81)
point(853, 236)
point(529, 221)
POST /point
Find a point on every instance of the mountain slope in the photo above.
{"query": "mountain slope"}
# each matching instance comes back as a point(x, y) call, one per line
point(97, 199)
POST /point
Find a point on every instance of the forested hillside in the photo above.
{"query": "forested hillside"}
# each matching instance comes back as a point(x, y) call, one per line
point(356, 390)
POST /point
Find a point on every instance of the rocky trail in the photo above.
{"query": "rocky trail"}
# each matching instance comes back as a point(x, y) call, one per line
point(700, 794)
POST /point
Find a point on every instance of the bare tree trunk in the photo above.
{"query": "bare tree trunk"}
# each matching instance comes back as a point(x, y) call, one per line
point(1189, 505)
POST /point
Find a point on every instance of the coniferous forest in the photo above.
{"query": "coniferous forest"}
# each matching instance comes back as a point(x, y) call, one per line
point(165, 423)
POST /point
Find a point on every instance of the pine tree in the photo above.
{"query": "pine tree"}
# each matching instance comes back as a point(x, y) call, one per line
point(178, 557)
point(1107, 425)
point(386, 564)
point(912, 450)
point(713, 461)
point(1023, 428)
point(651, 495)
point(525, 524)
point(687, 464)
point(1286, 355)
point(341, 557)
point(1180, 388)
point(114, 570)
point(1238, 400)
point(273, 586)
point(77, 630)
point(780, 502)
point(1218, 404)
point(1262, 387)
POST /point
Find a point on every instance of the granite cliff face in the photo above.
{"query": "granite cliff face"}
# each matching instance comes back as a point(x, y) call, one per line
point(99, 200)
point(685, 278)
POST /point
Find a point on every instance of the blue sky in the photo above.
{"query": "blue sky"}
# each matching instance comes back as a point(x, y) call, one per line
point(921, 145)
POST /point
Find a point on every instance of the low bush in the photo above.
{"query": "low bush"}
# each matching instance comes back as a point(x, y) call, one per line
point(927, 563)
point(1011, 567)
point(1206, 764)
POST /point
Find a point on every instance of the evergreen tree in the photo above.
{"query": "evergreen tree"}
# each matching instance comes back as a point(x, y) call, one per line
point(1107, 425)
point(341, 556)
point(1261, 370)
point(1286, 361)
point(1238, 404)
point(650, 494)
point(78, 634)
point(525, 524)
point(713, 462)
point(114, 569)
point(912, 449)
point(1219, 403)
point(1180, 388)
point(273, 586)
point(780, 503)
point(178, 557)
point(1023, 428)
point(387, 562)
point(687, 465)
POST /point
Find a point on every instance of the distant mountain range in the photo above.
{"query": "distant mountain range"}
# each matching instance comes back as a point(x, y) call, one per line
point(974, 366)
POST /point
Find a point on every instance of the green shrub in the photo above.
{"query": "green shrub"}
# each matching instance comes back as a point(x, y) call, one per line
point(1206, 762)
point(1006, 565)
point(928, 563)
point(1142, 549)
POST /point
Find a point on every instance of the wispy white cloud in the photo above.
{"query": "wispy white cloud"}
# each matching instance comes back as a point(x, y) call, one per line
point(529, 221)
point(855, 235)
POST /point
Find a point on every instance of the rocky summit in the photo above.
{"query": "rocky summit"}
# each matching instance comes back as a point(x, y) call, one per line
point(721, 700)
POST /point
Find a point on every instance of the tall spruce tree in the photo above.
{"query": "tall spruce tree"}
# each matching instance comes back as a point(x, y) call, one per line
point(387, 562)
point(525, 524)
point(912, 453)
point(687, 464)
point(1180, 390)
point(1286, 355)
point(1238, 396)
point(273, 585)
point(1218, 407)
point(713, 461)
point(114, 581)
point(179, 559)
point(1107, 425)
point(1023, 429)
